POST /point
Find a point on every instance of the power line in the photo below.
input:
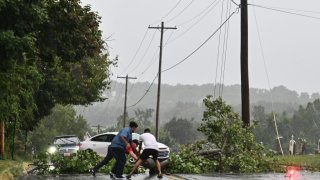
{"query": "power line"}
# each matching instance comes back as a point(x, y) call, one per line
point(199, 20)
point(153, 59)
point(218, 54)
point(170, 11)
point(283, 11)
point(298, 10)
point(147, 91)
point(144, 54)
point(225, 48)
point(267, 74)
point(184, 9)
point(184, 59)
point(199, 14)
point(135, 54)
point(174, 7)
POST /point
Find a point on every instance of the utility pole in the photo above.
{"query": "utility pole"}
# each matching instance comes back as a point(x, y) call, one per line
point(159, 75)
point(125, 99)
point(98, 127)
point(245, 98)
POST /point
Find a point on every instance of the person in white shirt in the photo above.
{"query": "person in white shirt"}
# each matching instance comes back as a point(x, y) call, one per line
point(150, 149)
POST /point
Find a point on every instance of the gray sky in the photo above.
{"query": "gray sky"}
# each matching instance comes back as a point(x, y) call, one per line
point(290, 43)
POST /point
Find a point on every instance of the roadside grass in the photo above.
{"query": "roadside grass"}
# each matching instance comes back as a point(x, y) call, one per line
point(10, 169)
point(304, 162)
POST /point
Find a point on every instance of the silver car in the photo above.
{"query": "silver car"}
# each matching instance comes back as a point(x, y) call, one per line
point(65, 145)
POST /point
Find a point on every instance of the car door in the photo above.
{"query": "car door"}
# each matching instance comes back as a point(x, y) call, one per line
point(100, 143)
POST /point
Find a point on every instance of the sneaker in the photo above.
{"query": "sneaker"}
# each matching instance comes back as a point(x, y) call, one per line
point(128, 176)
point(120, 177)
point(159, 176)
point(92, 172)
point(112, 175)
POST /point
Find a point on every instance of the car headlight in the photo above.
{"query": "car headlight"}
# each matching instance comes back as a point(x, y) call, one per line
point(52, 150)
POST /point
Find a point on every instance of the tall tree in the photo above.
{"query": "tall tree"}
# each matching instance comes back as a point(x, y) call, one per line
point(51, 52)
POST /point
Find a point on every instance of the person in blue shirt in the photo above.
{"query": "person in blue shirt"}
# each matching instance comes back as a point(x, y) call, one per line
point(117, 150)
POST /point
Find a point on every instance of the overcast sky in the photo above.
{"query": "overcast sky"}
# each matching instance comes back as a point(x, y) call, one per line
point(290, 53)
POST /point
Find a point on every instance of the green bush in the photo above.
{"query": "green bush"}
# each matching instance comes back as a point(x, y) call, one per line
point(187, 161)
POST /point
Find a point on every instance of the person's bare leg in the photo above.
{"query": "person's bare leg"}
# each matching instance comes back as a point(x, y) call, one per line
point(136, 166)
point(159, 168)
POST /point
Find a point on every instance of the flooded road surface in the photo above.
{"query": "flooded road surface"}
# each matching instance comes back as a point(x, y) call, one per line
point(303, 175)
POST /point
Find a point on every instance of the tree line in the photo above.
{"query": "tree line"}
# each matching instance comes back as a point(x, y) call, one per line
point(185, 101)
point(303, 124)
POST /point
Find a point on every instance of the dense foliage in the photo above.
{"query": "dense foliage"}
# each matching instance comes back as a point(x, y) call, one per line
point(51, 52)
point(224, 128)
point(80, 162)
point(188, 161)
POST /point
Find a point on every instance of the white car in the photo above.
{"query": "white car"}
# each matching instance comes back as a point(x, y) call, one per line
point(99, 144)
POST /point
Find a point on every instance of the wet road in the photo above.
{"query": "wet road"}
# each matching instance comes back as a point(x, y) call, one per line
point(303, 175)
point(98, 177)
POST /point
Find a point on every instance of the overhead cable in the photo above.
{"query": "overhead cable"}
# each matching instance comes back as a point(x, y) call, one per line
point(218, 54)
point(174, 7)
point(168, 13)
point(144, 54)
point(147, 91)
point(188, 56)
point(135, 54)
point(225, 49)
point(177, 15)
point(153, 59)
point(199, 20)
point(267, 74)
point(199, 14)
point(283, 11)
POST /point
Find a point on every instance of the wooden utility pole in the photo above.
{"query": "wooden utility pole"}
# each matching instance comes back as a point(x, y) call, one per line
point(98, 128)
point(245, 97)
point(159, 75)
point(125, 99)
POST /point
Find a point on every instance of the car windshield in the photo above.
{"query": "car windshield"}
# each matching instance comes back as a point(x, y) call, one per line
point(66, 140)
